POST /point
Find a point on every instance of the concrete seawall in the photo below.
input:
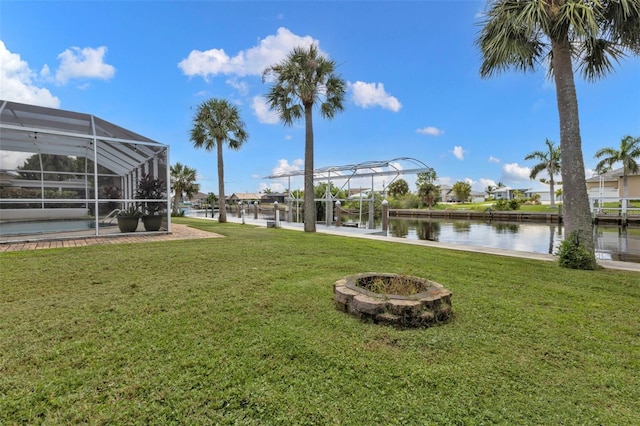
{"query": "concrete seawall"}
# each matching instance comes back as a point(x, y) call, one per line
point(507, 216)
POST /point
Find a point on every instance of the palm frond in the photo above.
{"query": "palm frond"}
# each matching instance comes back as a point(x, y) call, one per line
point(515, 34)
point(217, 121)
point(596, 58)
point(510, 38)
point(303, 79)
point(621, 23)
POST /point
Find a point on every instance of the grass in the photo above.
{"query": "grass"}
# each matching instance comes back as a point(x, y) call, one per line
point(242, 330)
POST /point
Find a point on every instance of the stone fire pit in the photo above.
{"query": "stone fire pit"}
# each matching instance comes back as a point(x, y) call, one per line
point(370, 297)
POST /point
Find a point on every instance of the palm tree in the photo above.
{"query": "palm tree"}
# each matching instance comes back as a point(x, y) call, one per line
point(215, 124)
point(182, 182)
point(549, 162)
point(628, 154)
point(490, 189)
point(519, 34)
point(304, 79)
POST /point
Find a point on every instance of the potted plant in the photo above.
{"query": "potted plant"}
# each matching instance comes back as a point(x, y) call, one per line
point(128, 219)
point(150, 188)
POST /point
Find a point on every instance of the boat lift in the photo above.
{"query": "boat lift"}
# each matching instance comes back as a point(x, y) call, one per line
point(369, 169)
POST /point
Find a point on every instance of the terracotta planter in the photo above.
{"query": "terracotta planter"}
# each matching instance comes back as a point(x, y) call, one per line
point(127, 223)
point(152, 223)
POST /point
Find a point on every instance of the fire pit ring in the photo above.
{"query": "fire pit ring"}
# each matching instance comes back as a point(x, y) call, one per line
point(366, 296)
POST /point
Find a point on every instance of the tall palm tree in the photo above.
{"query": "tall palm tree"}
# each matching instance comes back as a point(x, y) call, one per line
point(303, 80)
point(549, 162)
point(183, 181)
point(520, 34)
point(628, 154)
point(216, 123)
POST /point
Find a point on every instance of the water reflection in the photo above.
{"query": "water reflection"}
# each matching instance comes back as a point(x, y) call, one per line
point(614, 243)
point(430, 230)
point(505, 228)
point(621, 243)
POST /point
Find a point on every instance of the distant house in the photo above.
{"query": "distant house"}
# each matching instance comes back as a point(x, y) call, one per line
point(273, 197)
point(199, 198)
point(446, 194)
point(357, 193)
point(7, 177)
point(477, 197)
point(244, 197)
point(508, 193)
point(544, 195)
point(610, 184)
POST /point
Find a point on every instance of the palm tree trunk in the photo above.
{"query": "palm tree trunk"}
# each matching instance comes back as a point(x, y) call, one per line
point(625, 188)
point(309, 196)
point(222, 213)
point(552, 192)
point(577, 216)
point(176, 200)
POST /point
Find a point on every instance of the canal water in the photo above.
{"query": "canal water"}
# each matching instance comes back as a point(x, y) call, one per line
point(612, 242)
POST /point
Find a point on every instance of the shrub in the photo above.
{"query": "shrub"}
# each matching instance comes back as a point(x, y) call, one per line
point(406, 201)
point(504, 205)
point(572, 255)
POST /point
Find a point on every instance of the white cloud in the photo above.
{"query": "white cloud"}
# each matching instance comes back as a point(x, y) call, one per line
point(493, 159)
point(45, 72)
point(367, 95)
point(18, 81)
point(83, 63)
point(262, 111)
point(241, 86)
point(515, 172)
point(458, 152)
point(283, 166)
point(10, 160)
point(273, 186)
point(446, 180)
point(431, 131)
point(270, 50)
point(487, 182)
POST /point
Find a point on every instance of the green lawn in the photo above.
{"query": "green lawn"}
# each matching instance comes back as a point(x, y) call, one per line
point(242, 330)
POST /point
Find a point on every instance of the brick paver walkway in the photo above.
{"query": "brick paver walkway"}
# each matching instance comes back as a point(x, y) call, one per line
point(178, 232)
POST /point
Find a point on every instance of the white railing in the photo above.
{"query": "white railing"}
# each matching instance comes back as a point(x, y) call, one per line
point(598, 206)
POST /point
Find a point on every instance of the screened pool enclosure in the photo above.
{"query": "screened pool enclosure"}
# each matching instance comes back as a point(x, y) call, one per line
point(65, 173)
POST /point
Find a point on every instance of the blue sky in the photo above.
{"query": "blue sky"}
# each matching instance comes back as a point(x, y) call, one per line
point(412, 69)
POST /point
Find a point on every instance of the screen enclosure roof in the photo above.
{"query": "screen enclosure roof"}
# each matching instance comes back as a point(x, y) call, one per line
point(37, 129)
